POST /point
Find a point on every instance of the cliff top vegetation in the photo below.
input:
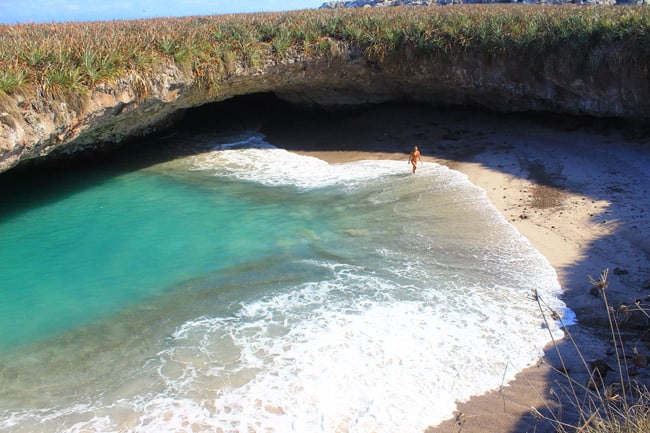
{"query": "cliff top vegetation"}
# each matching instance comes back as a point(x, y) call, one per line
point(64, 61)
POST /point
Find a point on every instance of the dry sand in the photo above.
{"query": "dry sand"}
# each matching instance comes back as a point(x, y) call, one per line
point(576, 188)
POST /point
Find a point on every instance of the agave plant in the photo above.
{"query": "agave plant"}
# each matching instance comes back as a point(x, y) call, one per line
point(82, 54)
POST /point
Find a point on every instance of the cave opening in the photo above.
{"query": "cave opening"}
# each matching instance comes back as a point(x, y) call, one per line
point(299, 127)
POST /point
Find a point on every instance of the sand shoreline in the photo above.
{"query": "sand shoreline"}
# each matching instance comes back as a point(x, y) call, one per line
point(578, 195)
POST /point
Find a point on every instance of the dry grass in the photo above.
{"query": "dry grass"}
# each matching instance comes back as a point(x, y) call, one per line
point(56, 60)
point(620, 404)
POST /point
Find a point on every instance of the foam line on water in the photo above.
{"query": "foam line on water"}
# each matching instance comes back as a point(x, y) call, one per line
point(346, 353)
point(256, 160)
point(362, 365)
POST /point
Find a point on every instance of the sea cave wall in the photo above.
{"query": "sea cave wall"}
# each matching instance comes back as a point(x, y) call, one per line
point(601, 83)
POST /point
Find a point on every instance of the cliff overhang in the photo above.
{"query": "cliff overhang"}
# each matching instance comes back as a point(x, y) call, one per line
point(595, 84)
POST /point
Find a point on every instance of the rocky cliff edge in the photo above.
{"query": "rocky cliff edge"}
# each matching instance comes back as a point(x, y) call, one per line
point(600, 83)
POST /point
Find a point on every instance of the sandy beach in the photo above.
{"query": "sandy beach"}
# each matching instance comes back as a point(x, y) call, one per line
point(577, 189)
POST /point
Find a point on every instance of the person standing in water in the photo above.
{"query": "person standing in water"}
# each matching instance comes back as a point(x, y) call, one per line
point(413, 158)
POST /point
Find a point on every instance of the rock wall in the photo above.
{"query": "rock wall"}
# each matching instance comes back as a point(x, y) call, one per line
point(593, 84)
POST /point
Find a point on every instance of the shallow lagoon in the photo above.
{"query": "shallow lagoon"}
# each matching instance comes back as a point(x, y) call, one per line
point(234, 286)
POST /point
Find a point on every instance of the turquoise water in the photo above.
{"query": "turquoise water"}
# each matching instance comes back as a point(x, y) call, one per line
point(232, 285)
point(101, 247)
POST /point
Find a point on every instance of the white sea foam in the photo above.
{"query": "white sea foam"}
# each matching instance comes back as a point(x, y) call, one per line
point(388, 344)
point(344, 354)
point(255, 160)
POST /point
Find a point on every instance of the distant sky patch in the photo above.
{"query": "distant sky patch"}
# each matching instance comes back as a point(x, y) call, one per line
point(44, 11)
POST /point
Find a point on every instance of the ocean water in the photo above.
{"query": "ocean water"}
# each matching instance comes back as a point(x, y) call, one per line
point(233, 286)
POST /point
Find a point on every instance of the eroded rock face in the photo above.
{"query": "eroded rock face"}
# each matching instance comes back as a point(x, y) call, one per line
point(597, 85)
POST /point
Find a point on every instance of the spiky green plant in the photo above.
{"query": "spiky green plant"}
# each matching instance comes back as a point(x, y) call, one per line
point(11, 81)
point(118, 49)
point(281, 43)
